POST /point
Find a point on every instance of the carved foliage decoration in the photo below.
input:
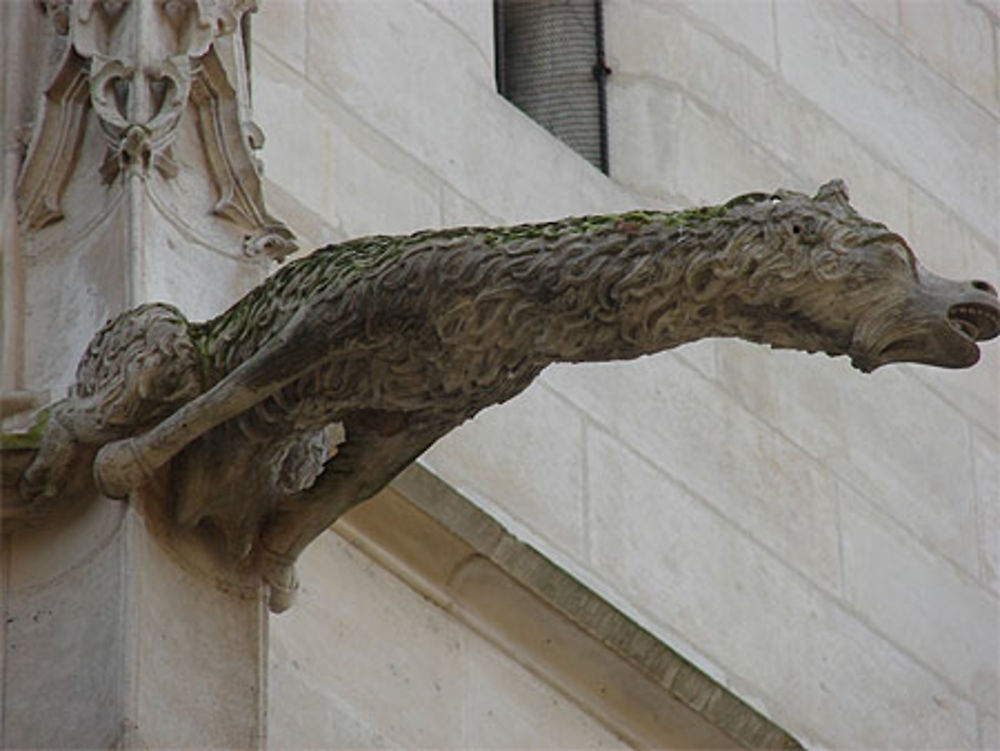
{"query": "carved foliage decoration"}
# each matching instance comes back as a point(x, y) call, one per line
point(56, 140)
point(140, 66)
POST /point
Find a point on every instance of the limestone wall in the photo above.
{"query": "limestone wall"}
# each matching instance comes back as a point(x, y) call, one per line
point(826, 544)
point(363, 661)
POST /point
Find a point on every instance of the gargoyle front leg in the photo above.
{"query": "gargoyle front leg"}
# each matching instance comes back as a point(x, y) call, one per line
point(301, 346)
point(379, 446)
point(72, 425)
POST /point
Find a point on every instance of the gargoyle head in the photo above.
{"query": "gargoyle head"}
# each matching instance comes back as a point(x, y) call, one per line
point(858, 286)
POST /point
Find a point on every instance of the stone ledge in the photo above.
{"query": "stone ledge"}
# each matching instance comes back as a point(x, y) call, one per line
point(464, 561)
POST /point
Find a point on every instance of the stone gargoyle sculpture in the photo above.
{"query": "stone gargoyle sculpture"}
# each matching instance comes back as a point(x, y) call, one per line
point(397, 340)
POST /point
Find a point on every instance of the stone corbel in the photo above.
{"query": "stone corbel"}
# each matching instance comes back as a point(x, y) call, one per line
point(141, 66)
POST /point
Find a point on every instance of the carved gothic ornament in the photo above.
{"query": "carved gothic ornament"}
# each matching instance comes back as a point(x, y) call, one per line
point(397, 340)
point(140, 66)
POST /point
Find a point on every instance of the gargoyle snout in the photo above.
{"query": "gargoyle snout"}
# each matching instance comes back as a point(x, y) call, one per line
point(982, 286)
point(978, 314)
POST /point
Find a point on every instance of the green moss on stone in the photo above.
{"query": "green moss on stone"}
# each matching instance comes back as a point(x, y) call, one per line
point(30, 438)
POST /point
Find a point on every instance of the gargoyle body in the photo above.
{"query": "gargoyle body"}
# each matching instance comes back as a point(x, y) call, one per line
point(400, 339)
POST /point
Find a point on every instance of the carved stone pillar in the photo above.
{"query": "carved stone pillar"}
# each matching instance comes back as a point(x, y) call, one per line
point(129, 175)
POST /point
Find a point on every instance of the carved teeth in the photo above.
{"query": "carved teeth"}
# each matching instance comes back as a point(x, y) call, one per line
point(976, 321)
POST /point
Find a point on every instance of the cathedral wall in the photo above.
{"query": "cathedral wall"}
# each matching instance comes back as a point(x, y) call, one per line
point(822, 542)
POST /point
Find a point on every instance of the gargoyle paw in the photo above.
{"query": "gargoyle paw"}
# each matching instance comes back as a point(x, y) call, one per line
point(119, 469)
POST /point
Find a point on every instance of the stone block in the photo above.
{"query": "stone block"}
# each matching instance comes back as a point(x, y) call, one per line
point(644, 125)
point(883, 12)
point(457, 211)
point(974, 392)
point(743, 23)
point(921, 601)
point(383, 665)
point(986, 448)
point(690, 571)
point(989, 731)
point(335, 165)
point(297, 156)
point(280, 25)
point(703, 438)
point(745, 118)
point(166, 275)
point(375, 187)
point(702, 356)
point(474, 19)
point(364, 661)
point(508, 707)
point(71, 294)
point(717, 161)
point(420, 96)
point(914, 120)
point(799, 397)
point(943, 242)
point(63, 632)
point(524, 459)
point(910, 454)
point(187, 628)
point(957, 40)
point(659, 43)
point(301, 713)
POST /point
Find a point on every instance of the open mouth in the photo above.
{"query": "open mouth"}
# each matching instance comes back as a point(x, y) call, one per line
point(976, 321)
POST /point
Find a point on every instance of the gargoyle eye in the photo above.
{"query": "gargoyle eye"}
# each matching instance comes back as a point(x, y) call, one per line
point(898, 249)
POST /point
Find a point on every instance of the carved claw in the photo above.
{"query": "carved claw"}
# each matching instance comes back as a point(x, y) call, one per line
point(45, 477)
point(119, 469)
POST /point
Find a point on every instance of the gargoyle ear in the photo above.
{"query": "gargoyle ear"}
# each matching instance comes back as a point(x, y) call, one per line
point(745, 199)
point(835, 190)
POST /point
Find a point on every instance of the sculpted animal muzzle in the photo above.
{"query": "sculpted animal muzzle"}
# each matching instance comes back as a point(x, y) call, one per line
point(938, 323)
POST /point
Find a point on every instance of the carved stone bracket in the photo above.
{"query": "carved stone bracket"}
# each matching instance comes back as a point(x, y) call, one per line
point(141, 67)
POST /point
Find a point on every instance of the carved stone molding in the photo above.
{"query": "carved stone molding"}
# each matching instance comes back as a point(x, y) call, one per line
point(139, 67)
point(394, 341)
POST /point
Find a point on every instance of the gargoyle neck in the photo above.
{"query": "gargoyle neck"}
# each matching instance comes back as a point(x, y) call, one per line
point(664, 284)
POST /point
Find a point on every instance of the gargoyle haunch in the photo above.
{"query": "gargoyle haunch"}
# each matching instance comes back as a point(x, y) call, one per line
point(401, 339)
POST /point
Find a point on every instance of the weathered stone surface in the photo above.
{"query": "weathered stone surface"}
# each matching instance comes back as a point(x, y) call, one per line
point(61, 588)
point(509, 707)
point(131, 175)
point(792, 510)
point(281, 26)
point(137, 75)
point(747, 23)
point(883, 12)
point(635, 685)
point(356, 58)
point(416, 334)
point(956, 39)
point(986, 448)
point(660, 550)
point(989, 730)
point(716, 68)
point(347, 159)
point(406, 693)
point(913, 119)
point(902, 588)
point(553, 501)
point(925, 480)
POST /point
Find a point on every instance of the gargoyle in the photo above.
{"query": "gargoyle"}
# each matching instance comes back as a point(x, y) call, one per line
point(400, 339)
